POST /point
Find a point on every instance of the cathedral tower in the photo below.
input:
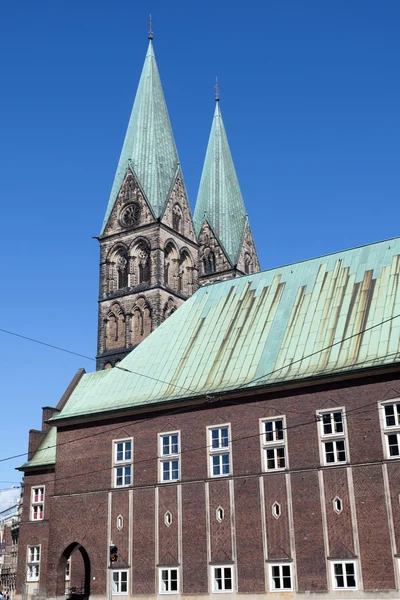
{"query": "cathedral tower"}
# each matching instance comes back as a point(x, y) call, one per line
point(226, 246)
point(148, 246)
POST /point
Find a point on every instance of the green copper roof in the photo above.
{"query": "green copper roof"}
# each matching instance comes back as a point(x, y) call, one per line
point(219, 199)
point(46, 453)
point(308, 319)
point(149, 146)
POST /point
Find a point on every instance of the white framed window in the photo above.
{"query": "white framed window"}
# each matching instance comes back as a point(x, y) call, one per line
point(219, 450)
point(222, 578)
point(168, 461)
point(119, 582)
point(332, 434)
point(273, 443)
point(390, 418)
point(122, 462)
point(37, 503)
point(33, 563)
point(344, 575)
point(168, 580)
point(280, 577)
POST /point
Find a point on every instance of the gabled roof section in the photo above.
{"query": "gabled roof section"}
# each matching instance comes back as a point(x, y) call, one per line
point(149, 147)
point(46, 453)
point(219, 199)
point(321, 317)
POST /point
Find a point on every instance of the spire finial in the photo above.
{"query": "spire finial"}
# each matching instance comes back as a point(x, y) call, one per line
point(216, 87)
point(150, 36)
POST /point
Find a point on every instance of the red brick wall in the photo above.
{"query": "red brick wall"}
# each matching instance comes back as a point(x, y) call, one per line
point(340, 526)
point(376, 555)
point(250, 559)
point(310, 551)
point(84, 475)
point(143, 572)
point(194, 540)
point(278, 540)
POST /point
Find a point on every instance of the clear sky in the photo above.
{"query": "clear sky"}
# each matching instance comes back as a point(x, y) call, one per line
point(310, 96)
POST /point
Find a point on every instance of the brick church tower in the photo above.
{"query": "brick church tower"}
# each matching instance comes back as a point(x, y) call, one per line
point(151, 256)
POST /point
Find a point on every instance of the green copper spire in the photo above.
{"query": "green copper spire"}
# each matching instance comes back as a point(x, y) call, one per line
point(149, 147)
point(219, 199)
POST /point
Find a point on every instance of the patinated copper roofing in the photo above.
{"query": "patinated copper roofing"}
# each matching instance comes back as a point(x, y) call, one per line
point(327, 315)
point(219, 199)
point(149, 147)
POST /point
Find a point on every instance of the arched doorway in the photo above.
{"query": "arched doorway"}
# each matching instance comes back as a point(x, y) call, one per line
point(73, 574)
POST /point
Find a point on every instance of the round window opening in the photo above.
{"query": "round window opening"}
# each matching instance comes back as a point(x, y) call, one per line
point(130, 215)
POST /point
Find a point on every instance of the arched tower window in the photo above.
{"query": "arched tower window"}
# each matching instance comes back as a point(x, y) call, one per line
point(122, 271)
point(171, 266)
point(177, 218)
point(185, 279)
point(143, 262)
point(208, 261)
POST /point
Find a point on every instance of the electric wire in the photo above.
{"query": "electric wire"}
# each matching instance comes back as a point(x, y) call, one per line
point(188, 389)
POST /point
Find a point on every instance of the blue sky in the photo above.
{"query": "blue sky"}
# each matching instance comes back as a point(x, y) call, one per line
point(310, 96)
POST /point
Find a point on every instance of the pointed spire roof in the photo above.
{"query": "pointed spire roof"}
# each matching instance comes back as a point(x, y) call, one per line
point(219, 199)
point(149, 147)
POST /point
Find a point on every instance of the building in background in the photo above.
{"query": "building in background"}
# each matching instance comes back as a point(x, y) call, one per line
point(250, 444)
point(9, 533)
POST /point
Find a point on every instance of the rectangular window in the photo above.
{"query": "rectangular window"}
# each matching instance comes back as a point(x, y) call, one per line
point(219, 451)
point(119, 582)
point(33, 554)
point(123, 463)
point(344, 575)
point(273, 443)
point(169, 450)
point(391, 429)
point(222, 578)
point(33, 563)
point(332, 433)
point(280, 577)
point(37, 503)
point(169, 583)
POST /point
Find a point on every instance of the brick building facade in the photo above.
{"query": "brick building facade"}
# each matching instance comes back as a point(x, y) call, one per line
point(248, 445)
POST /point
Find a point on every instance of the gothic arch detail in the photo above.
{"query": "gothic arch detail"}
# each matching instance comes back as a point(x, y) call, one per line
point(171, 265)
point(117, 266)
point(169, 308)
point(208, 261)
point(114, 326)
point(185, 273)
point(141, 324)
point(140, 262)
point(177, 218)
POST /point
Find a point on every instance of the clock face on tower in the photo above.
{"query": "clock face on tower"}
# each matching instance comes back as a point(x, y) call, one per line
point(130, 215)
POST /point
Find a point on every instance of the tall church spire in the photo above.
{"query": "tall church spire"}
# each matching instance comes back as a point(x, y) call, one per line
point(148, 246)
point(219, 200)
point(149, 149)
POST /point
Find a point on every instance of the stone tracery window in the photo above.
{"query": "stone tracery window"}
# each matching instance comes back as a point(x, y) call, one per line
point(185, 273)
point(208, 261)
point(177, 218)
point(171, 266)
point(122, 271)
point(143, 257)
